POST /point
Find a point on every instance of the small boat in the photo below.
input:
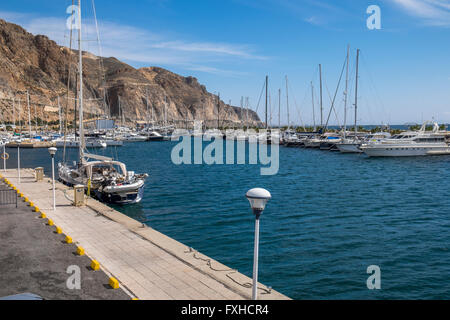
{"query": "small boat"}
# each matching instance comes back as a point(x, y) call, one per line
point(155, 136)
point(113, 142)
point(133, 137)
point(72, 142)
point(329, 142)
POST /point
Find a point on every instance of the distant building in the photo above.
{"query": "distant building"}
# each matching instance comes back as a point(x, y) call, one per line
point(104, 124)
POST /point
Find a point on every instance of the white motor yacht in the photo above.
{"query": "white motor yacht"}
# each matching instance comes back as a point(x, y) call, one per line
point(72, 142)
point(409, 144)
point(353, 145)
point(133, 137)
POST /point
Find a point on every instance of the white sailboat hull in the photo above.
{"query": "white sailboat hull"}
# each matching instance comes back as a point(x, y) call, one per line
point(349, 147)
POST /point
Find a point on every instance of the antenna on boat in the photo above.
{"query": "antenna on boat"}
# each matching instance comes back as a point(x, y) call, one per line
point(279, 108)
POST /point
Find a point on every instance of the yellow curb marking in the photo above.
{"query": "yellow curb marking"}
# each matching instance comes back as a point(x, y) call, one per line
point(95, 265)
point(114, 283)
point(80, 251)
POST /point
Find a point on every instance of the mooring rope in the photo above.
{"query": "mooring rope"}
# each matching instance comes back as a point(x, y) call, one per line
point(230, 272)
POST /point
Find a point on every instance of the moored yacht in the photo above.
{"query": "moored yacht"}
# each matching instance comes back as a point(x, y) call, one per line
point(409, 144)
point(329, 143)
point(352, 145)
point(72, 142)
point(108, 180)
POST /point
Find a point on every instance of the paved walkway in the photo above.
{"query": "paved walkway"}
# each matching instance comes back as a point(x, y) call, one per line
point(34, 259)
point(147, 263)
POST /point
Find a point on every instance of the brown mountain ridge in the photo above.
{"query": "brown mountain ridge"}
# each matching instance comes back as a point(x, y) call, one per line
point(37, 65)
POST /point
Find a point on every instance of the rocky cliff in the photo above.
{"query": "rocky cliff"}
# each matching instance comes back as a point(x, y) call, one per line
point(35, 67)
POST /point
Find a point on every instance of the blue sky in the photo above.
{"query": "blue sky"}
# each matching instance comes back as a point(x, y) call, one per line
point(230, 45)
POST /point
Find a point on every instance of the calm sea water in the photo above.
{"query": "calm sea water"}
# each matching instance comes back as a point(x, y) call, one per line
point(331, 216)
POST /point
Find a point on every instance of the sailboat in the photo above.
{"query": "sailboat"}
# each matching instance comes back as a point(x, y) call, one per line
point(351, 145)
point(108, 180)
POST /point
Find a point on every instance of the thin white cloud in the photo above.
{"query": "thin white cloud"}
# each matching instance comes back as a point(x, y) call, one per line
point(137, 45)
point(216, 71)
point(12, 16)
point(216, 48)
point(314, 20)
point(433, 12)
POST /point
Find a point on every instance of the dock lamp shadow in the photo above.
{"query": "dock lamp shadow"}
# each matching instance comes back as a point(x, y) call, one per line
point(52, 152)
point(258, 199)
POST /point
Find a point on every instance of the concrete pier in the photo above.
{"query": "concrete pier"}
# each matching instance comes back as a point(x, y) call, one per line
point(147, 264)
point(31, 144)
point(35, 259)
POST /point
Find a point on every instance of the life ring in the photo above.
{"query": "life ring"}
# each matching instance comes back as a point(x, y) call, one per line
point(5, 156)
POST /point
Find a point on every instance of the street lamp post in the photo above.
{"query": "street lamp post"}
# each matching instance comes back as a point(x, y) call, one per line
point(18, 159)
point(4, 157)
point(52, 152)
point(258, 199)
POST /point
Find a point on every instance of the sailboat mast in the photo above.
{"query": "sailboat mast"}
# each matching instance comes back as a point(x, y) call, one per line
point(35, 119)
point(287, 103)
point(80, 52)
point(204, 117)
point(20, 121)
point(270, 110)
point(146, 102)
point(267, 92)
point(218, 111)
point(120, 113)
point(279, 108)
point(321, 97)
point(59, 116)
point(153, 111)
point(165, 112)
point(242, 110)
point(246, 107)
point(313, 107)
point(14, 111)
point(346, 94)
point(356, 90)
point(29, 113)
